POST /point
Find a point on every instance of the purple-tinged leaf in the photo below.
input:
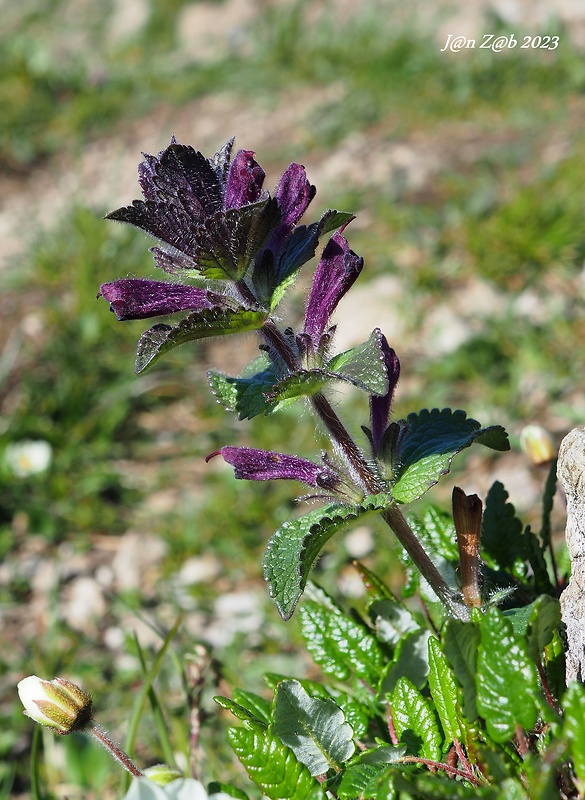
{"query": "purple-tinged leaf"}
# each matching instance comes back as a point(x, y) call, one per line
point(198, 325)
point(170, 222)
point(137, 298)
point(179, 174)
point(264, 465)
point(245, 179)
point(380, 406)
point(221, 161)
point(336, 272)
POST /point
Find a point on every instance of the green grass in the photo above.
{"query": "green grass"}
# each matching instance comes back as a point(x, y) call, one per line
point(511, 215)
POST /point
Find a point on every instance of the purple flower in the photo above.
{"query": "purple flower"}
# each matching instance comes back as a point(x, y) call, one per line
point(264, 465)
point(380, 406)
point(136, 298)
point(211, 216)
point(245, 179)
point(336, 272)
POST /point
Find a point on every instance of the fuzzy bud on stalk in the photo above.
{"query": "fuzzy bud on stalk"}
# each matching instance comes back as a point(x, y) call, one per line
point(57, 704)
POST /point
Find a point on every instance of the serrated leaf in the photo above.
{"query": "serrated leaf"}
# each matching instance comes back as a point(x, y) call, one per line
point(227, 242)
point(199, 325)
point(428, 444)
point(249, 716)
point(300, 248)
point(460, 642)
point(573, 728)
point(358, 782)
point(414, 721)
point(314, 728)
point(218, 787)
point(393, 620)
point(293, 549)
point(339, 644)
point(537, 623)
point(259, 706)
point(436, 531)
point(444, 692)
point(501, 530)
point(363, 365)
point(246, 395)
point(273, 767)
point(506, 679)
point(410, 661)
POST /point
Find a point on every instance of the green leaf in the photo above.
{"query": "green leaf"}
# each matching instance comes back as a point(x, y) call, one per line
point(363, 366)
point(574, 730)
point(506, 680)
point(314, 728)
point(339, 644)
point(300, 248)
point(536, 622)
point(460, 643)
point(428, 443)
point(293, 549)
point(410, 661)
point(248, 717)
point(501, 530)
point(414, 721)
point(199, 325)
point(444, 692)
point(359, 782)
point(246, 395)
point(217, 787)
point(272, 766)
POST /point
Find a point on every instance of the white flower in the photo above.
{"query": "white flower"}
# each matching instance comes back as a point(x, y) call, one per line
point(57, 704)
point(28, 457)
point(181, 789)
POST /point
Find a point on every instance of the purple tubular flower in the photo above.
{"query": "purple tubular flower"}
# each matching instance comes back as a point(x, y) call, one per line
point(264, 465)
point(293, 195)
point(380, 406)
point(137, 298)
point(335, 274)
point(244, 182)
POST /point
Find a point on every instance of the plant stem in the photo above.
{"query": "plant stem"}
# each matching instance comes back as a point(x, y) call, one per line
point(102, 737)
point(394, 518)
point(367, 480)
point(359, 468)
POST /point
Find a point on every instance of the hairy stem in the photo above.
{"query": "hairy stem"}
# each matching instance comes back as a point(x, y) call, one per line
point(115, 751)
point(394, 518)
point(360, 471)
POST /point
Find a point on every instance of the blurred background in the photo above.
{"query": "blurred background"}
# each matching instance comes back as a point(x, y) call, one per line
point(466, 171)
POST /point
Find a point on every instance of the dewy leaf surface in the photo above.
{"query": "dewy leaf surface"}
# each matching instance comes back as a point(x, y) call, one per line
point(363, 365)
point(415, 720)
point(460, 643)
point(199, 325)
point(444, 691)
point(507, 680)
point(292, 550)
point(573, 728)
point(339, 644)
point(273, 767)
point(428, 444)
point(314, 728)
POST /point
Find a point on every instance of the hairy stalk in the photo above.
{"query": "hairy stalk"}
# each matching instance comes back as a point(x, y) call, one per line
point(115, 751)
point(360, 471)
point(394, 518)
point(369, 483)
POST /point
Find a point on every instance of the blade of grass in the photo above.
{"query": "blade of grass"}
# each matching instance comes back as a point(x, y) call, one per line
point(157, 711)
point(140, 701)
point(36, 793)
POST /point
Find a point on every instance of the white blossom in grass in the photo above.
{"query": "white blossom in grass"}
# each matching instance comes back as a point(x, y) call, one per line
point(58, 704)
point(28, 457)
point(181, 789)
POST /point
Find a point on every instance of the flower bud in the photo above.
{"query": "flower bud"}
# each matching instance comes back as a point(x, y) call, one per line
point(57, 704)
point(162, 774)
point(538, 444)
